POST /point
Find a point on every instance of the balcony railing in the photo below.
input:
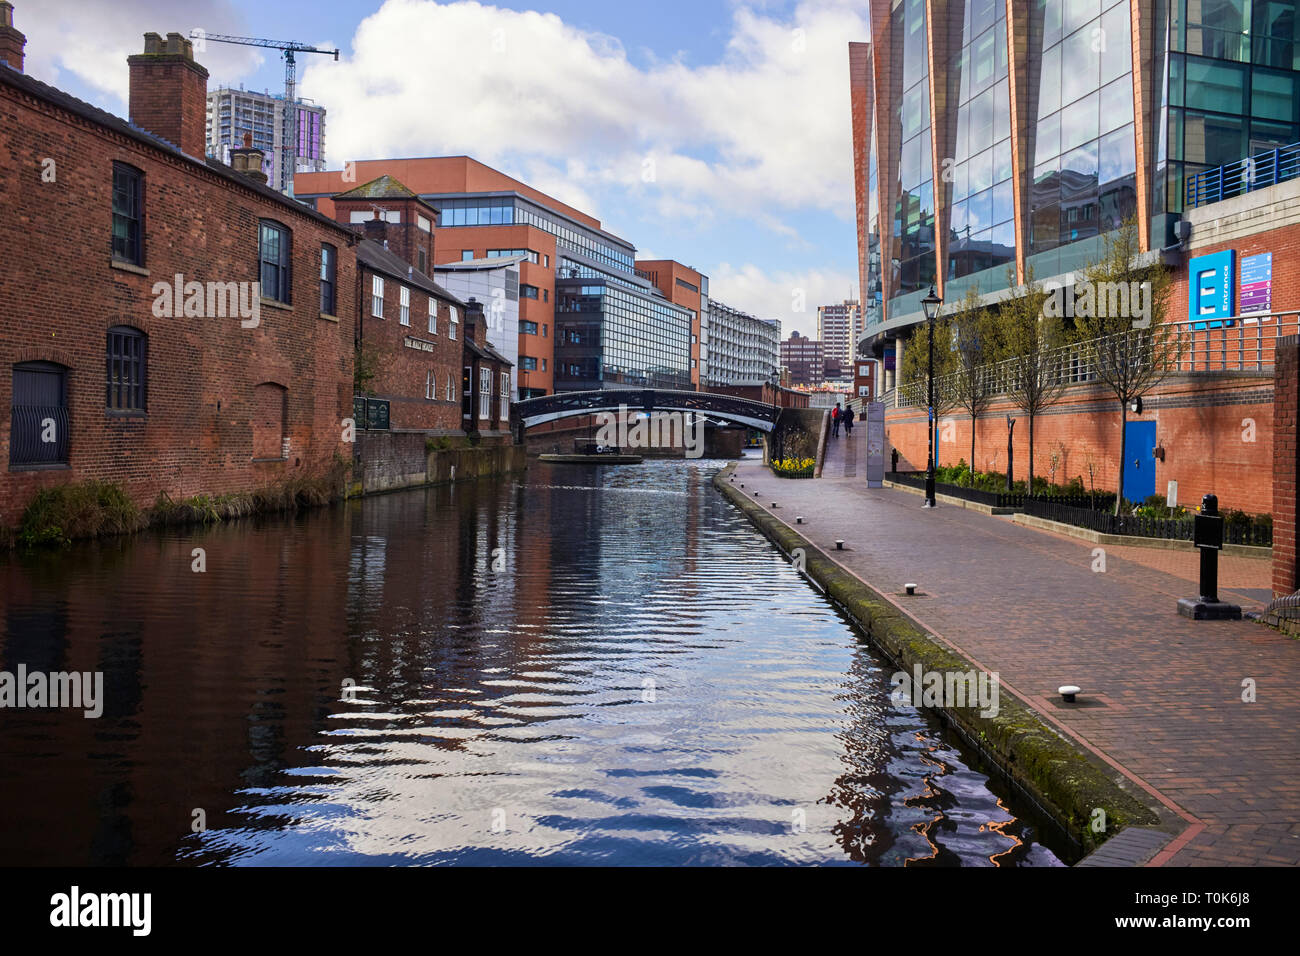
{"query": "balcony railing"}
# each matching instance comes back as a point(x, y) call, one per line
point(1246, 175)
point(1238, 344)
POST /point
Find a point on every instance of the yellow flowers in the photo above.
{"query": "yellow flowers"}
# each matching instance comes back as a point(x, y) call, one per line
point(793, 466)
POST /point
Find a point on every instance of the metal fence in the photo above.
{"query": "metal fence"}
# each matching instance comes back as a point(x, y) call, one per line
point(997, 499)
point(38, 435)
point(1179, 529)
point(1242, 343)
point(1245, 175)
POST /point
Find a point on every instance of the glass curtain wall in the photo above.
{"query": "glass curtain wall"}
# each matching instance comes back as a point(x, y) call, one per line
point(980, 204)
point(912, 241)
point(1084, 179)
point(1227, 89)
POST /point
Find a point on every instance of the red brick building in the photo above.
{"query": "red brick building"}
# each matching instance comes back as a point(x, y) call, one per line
point(169, 323)
point(409, 331)
point(487, 214)
point(485, 380)
point(427, 347)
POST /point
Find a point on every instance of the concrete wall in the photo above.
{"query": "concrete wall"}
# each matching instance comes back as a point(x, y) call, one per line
point(388, 461)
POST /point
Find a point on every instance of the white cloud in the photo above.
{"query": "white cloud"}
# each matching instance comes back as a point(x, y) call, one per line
point(779, 295)
point(766, 128)
point(91, 39)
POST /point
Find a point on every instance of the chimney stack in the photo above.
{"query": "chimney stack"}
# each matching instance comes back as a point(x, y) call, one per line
point(169, 92)
point(376, 229)
point(11, 41)
point(247, 160)
point(474, 325)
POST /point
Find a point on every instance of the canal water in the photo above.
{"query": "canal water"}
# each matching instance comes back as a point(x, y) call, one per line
point(580, 666)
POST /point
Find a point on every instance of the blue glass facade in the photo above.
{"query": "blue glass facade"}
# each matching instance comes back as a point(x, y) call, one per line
point(610, 336)
point(1039, 146)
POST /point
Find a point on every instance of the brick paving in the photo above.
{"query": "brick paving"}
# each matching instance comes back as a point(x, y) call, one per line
point(1163, 693)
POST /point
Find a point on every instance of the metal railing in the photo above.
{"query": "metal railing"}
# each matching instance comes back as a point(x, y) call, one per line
point(999, 499)
point(1236, 344)
point(1245, 175)
point(1179, 529)
point(38, 435)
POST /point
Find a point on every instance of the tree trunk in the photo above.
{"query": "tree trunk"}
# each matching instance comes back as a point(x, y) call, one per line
point(1123, 452)
point(1029, 488)
point(972, 451)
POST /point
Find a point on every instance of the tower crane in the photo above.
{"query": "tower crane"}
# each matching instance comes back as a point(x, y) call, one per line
point(289, 135)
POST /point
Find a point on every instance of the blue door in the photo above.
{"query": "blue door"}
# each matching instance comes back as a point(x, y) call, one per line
point(1139, 461)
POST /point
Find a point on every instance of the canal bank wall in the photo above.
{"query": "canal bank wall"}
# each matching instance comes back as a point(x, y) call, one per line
point(1067, 782)
point(391, 461)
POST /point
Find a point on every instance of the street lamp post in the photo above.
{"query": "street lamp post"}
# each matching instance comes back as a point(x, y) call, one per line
point(930, 304)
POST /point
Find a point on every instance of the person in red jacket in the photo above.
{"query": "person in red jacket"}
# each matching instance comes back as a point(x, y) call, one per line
point(835, 421)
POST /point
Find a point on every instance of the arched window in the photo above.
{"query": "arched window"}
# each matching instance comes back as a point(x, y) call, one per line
point(125, 360)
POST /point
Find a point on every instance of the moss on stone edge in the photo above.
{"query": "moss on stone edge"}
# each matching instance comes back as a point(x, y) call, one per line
point(1068, 781)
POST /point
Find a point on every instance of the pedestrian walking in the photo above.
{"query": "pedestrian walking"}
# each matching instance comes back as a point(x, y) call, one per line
point(848, 421)
point(835, 421)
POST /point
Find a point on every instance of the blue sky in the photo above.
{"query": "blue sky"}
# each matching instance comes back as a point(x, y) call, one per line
point(715, 133)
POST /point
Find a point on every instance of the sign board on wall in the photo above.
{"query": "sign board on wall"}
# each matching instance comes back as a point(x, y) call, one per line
point(1256, 284)
point(1209, 288)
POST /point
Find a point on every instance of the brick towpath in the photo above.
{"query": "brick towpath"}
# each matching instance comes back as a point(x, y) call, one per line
point(1165, 692)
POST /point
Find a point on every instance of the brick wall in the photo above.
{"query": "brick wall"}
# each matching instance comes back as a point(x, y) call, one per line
point(1198, 423)
point(408, 353)
point(62, 294)
point(1286, 388)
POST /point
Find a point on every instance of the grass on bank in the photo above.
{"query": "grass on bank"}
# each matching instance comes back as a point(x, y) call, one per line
point(92, 509)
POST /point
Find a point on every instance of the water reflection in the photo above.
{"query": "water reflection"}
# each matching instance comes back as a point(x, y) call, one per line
point(582, 667)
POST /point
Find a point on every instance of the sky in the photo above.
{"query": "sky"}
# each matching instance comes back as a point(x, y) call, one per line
point(713, 132)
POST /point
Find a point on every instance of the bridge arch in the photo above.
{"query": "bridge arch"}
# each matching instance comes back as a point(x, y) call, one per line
point(728, 408)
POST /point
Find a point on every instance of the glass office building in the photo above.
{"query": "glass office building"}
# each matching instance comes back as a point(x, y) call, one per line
point(1013, 134)
point(612, 336)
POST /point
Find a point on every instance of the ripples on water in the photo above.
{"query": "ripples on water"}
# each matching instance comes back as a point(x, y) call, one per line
point(591, 666)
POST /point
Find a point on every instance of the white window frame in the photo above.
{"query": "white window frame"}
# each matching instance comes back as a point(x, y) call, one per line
point(505, 396)
point(430, 385)
point(451, 325)
point(451, 388)
point(377, 296)
point(433, 316)
point(485, 393)
point(404, 297)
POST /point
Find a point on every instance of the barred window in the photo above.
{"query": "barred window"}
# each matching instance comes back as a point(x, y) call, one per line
point(125, 357)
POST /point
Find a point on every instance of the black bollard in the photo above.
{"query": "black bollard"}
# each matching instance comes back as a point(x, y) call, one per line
point(1207, 535)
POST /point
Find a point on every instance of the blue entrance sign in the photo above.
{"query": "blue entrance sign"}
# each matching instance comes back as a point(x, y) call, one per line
point(1209, 287)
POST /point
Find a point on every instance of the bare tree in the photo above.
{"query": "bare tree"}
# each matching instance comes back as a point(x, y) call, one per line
point(1030, 343)
point(972, 381)
point(1120, 326)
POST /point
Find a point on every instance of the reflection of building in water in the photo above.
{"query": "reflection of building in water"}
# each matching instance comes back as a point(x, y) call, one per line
point(205, 687)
